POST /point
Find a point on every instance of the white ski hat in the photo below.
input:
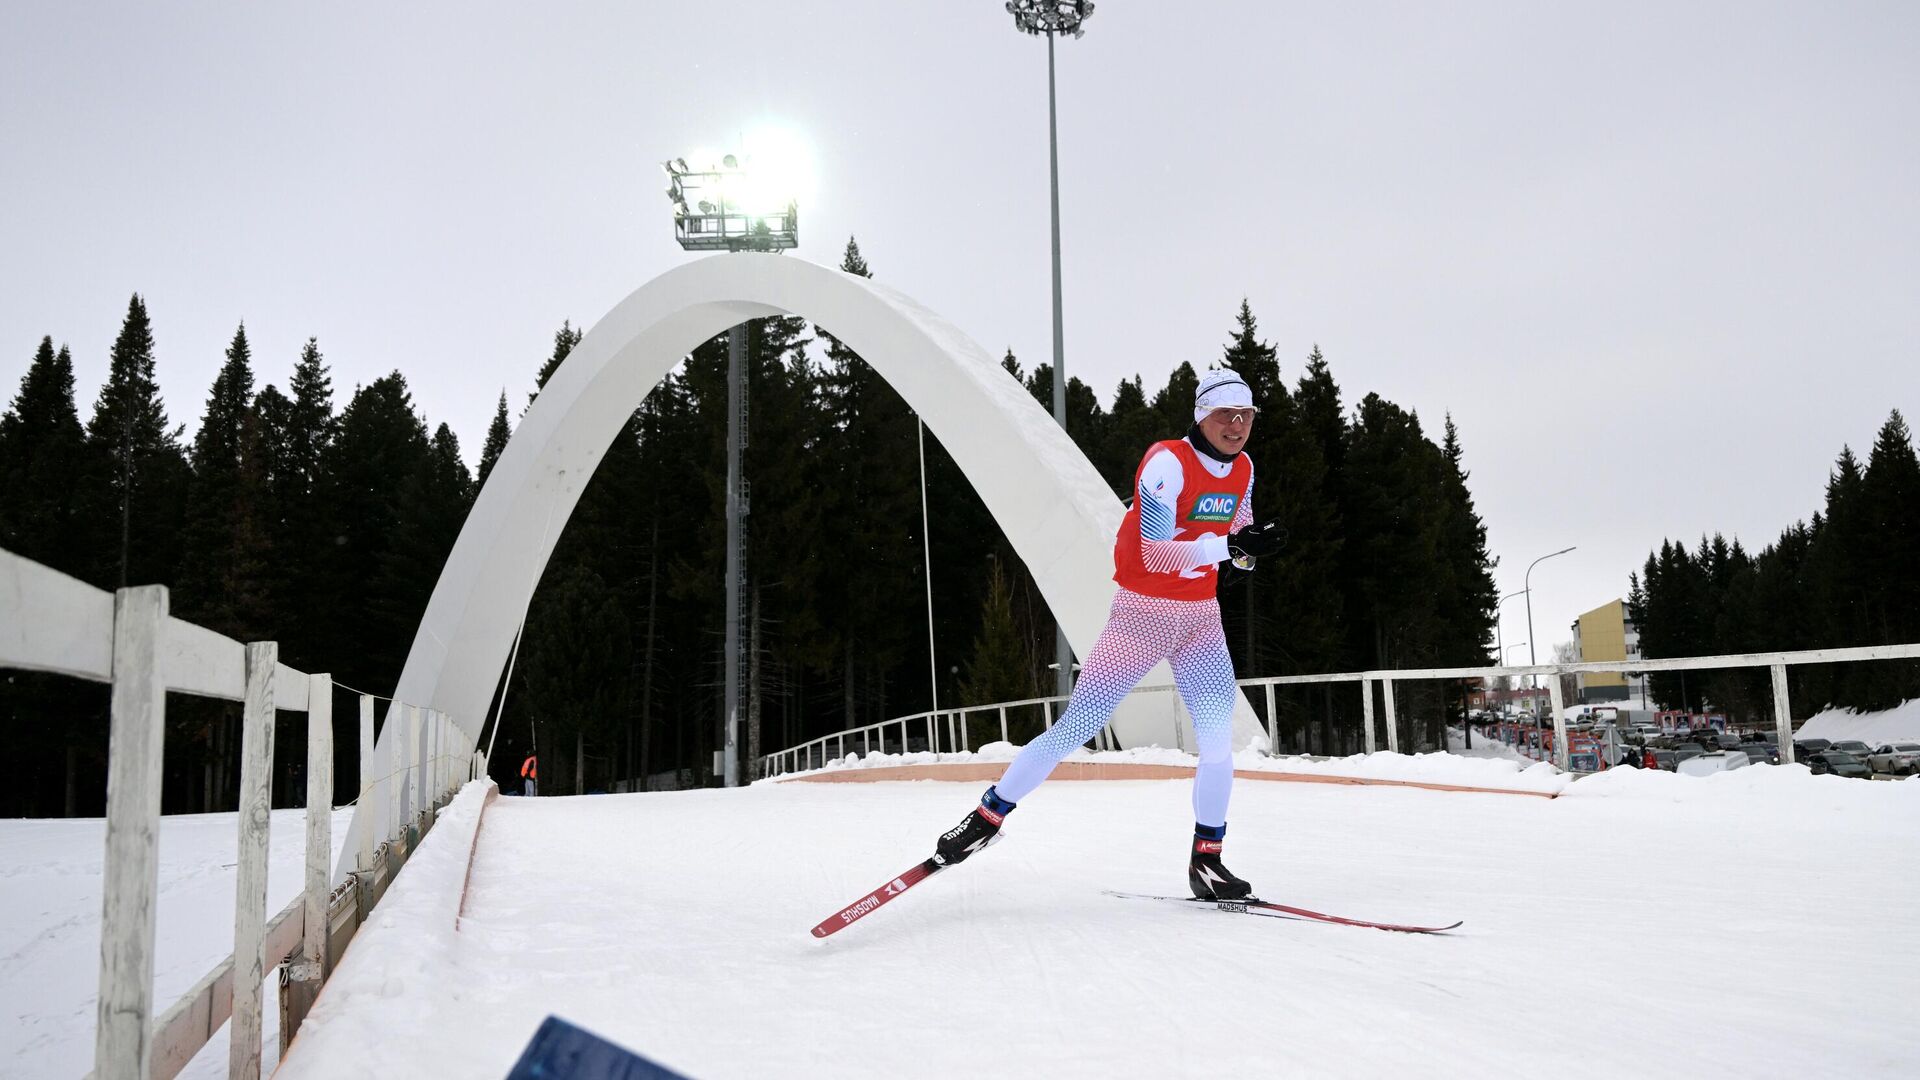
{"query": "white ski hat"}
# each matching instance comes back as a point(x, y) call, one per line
point(1222, 388)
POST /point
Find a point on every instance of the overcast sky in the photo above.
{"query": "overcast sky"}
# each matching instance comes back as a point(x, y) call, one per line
point(1660, 261)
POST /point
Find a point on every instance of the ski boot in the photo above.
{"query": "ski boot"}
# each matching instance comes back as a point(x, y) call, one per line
point(974, 832)
point(1208, 879)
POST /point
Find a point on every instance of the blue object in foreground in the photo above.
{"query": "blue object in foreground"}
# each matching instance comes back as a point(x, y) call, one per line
point(560, 1051)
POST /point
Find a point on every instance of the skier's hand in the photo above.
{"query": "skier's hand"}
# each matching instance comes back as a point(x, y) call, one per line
point(1255, 541)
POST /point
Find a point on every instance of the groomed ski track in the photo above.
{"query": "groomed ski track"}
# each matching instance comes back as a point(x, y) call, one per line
point(1758, 925)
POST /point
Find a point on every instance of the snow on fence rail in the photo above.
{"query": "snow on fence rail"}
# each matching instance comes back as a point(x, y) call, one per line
point(54, 623)
point(813, 753)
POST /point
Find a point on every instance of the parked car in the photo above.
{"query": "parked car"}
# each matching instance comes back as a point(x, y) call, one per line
point(1839, 764)
point(1664, 759)
point(1852, 746)
point(1805, 748)
point(1683, 754)
point(1896, 758)
point(1721, 739)
point(1708, 764)
point(1760, 753)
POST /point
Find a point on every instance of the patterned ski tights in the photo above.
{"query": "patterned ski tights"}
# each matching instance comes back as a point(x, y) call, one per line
point(1141, 631)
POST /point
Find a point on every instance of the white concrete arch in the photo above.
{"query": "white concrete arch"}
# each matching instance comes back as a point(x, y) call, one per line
point(1054, 508)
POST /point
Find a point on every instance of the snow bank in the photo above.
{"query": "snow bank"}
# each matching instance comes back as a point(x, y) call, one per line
point(1898, 724)
point(1791, 788)
point(1511, 772)
point(392, 968)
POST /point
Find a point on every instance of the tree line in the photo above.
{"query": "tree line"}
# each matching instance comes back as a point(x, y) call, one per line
point(285, 517)
point(1847, 577)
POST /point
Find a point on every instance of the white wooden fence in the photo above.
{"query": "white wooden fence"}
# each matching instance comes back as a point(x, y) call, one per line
point(946, 730)
point(53, 623)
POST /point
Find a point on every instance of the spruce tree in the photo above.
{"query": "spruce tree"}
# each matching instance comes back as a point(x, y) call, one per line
point(226, 568)
point(498, 433)
point(1394, 521)
point(876, 503)
point(1256, 361)
point(1890, 504)
point(55, 726)
point(1174, 403)
point(380, 451)
point(41, 442)
point(564, 339)
point(428, 513)
point(1317, 399)
point(312, 586)
point(997, 667)
point(137, 476)
point(1469, 596)
point(1086, 423)
point(1132, 426)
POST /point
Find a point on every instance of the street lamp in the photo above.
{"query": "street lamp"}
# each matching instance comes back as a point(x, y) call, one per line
point(1050, 17)
point(1527, 587)
point(926, 553)
point(731, 205)
point(1504, 649)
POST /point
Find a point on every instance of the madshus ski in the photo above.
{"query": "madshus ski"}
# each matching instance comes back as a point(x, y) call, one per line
point(871, 902)
point(1253, 906)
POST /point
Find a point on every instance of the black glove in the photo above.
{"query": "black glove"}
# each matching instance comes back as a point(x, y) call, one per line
point(1255, 541)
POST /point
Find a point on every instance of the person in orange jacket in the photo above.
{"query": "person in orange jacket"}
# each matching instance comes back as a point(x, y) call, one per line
point(530, 775)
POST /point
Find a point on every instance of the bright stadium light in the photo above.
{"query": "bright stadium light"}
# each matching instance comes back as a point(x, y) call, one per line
point(1050, 16)
point(737, 202)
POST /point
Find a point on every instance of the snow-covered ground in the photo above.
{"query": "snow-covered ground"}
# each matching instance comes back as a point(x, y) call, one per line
point(50, 875)
point(1755, 923)
point(1898, 724)
point(1485, 747)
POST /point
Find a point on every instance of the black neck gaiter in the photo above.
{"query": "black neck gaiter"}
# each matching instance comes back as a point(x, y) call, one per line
point(1199, 440)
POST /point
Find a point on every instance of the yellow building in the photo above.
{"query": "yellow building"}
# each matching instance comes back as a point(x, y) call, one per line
point(1605, 634)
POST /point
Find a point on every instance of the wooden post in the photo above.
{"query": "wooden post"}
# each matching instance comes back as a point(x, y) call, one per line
point(1782, 714)
point(1366, 711)
point(302, 979)
point(1559, 720)
point(367, 771)
point(123, 1041)
point(250, 890)
point(1273, 725)
point(417, 771)
point(1393, 722)
point(319, 814)
point(396, 770)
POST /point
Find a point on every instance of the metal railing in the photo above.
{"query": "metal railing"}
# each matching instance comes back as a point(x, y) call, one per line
point(814, 752)
point(950, 723)
point(54, 623)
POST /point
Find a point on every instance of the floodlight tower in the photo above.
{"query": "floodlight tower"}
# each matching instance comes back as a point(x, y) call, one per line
point(1050, 17)
point(723, 207)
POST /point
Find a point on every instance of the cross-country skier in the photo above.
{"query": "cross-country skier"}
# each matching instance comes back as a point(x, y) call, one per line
point(1192, 509)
